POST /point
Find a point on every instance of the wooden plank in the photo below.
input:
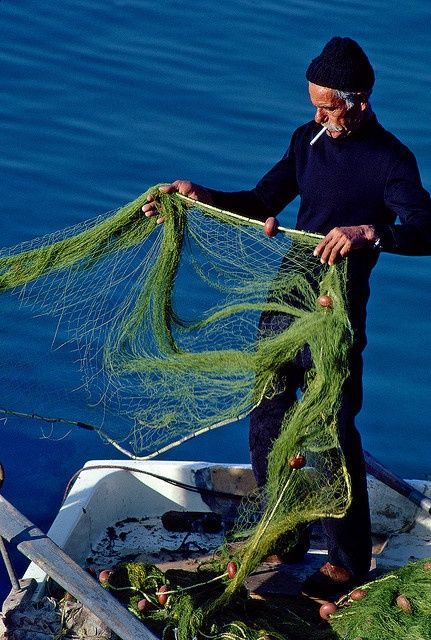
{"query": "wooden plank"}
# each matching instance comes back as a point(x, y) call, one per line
point(41, 550)
point(273, 579)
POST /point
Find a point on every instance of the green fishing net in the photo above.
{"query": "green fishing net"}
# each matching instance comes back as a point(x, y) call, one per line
point(395, 606)
point(164, 325)
point(163, 320)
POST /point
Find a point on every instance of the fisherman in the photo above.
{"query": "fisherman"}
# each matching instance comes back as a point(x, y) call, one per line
point(359, 187)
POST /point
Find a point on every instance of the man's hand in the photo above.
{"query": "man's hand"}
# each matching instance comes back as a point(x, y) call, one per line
point(185, 188)
point(339, 242)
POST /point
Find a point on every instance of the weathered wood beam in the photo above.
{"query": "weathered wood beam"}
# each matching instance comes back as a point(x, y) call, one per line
point(40, 549)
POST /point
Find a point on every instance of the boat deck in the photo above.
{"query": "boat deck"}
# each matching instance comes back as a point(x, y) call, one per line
point(118, 511)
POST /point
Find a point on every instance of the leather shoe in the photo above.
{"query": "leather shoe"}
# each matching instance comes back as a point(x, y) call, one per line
point(329, 583)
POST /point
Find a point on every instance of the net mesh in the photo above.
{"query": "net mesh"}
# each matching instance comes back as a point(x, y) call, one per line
point(188, 325)
point(163, 320)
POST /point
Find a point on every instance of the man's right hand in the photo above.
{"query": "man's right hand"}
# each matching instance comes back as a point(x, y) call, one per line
point(185, 188)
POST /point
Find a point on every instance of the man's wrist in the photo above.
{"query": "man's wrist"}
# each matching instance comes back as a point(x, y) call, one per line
point(373, 237)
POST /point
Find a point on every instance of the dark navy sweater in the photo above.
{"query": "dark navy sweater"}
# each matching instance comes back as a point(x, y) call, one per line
point(368, 177)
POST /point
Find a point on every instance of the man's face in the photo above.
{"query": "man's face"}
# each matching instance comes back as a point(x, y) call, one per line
point(333, 113)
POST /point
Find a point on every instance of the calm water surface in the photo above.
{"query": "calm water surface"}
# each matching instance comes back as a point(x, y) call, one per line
point(100, 100)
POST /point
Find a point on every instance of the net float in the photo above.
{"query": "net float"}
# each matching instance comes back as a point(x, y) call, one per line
point(427, 566)
point(104, 576)
point(231, 569)
point(297, 461)
point(325, 301)
point(271, 227)
point(143, 605)
point(161, 594)
point(327, 609)
point(358, 594)
point(404, 604)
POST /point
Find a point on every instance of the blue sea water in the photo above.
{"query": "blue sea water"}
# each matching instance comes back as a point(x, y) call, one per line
point(100, 100)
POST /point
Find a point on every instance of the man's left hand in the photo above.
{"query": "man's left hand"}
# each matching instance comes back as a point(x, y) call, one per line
point(339, 242)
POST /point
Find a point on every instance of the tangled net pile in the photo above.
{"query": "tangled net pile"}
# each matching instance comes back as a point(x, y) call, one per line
point(165, 322)
point(396, 606)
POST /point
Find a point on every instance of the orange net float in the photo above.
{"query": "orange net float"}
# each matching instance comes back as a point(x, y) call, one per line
point(404, 604)
point(297, 461)
point(231, 569)
point(327, 610)
point(161, 594)
point(271, 227)
point(325, 301)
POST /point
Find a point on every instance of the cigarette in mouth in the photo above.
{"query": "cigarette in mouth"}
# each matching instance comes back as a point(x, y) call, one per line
point(317, 136)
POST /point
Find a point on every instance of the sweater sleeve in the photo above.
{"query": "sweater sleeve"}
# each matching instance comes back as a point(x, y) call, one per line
point(272, 193)
point(410, 202)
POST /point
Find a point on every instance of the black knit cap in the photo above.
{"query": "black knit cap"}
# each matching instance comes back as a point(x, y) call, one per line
point(342, 65)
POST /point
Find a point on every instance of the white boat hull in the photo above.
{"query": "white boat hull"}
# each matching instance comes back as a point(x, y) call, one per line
point(106, 492)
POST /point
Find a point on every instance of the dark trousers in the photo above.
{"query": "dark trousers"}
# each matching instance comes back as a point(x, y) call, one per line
point(348, 538)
